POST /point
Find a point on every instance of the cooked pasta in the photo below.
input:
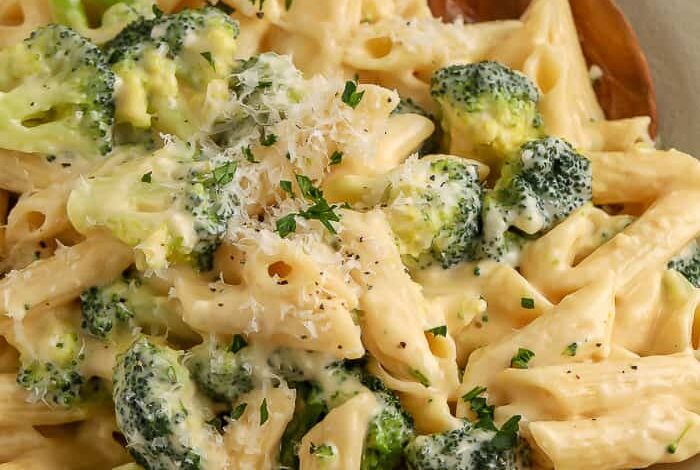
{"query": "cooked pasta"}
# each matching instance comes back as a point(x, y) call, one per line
point(345, 235)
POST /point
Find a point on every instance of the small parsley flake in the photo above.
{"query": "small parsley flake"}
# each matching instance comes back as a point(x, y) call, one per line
point(527, 302)
point(264, 413)
point(350, 95)
point(238, 411)
point(521, 358)
point(147, 177)
point(570, 350)
point(207, 56)
point(438, 331)
point(336, 158)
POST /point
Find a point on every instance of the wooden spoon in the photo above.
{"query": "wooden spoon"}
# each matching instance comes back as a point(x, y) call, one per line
point(608, 41)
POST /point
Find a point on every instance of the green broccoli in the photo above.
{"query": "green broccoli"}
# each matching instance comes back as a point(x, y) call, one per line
point(388, 431)
point(488, 110)
point(111, 15)
point(688, 263)
point(538, 188)
point(172, 205)
point(115, 311)
point(174, 71)
point(433, 206)
point(222, 371)
point(158, 411)
point(52, 372)
point(57, 96)
point(466, 448)
point(264, 87)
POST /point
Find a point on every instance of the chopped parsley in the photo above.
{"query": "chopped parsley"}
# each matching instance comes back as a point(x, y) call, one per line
point(264, 414)
point(268, 140)
point(570, 350)
point(207, 56)
point(420, 377)
point(319, 210)
point(147, 177)
point(438, 331)
point(336, 158)
point(507, 437)
point(477, 271)
point(223, 174)
point(322, 451)
point(238, 343)
point(673, 446)
point(527, 302)
point(521, 358)
point(248, 154)
point(351, 96)
point(288, 4)
point(286, 225)
point(238, 411)
point(287, 187)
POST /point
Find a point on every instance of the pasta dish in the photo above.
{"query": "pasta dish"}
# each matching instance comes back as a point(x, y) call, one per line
point(304, 234)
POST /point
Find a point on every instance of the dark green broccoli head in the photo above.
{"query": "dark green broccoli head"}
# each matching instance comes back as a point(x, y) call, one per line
point(157, 409)
point(174, 71)
point(118, 310)
point(433, 206)
point(53, 373)
point(171, 205)
point(488, 110)
point(688, 263)
point(222, 371)
point(465, 448)
point(57, 95)
point(544, 183)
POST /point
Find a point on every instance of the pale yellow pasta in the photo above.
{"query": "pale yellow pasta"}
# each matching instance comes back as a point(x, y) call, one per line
point(586, 390)
point(641, 175)
point(476, 310)
point(39, 215)
point(97, 260)
point(343, 430)
point(584, 319)
point(16, 440)
point(251, 443)
point(18, 18)
point(636, 436)
point(394, 314)
point(23, 172)
point(660, 233)
point(276, 299)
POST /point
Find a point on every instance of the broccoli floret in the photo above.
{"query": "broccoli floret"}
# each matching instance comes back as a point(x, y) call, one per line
point(688, 263)
point(111, 15)
point(172, 205)
point(57, 95)
point(433, 206)
point(264, 87)
point(432, 144)
point(388, 431)
point(488, 110)
point(52, 373)
point(158, 410)
point(544, 183)
point(116, 311)
point(465, 448)
point(174, 71)
point(222, 371)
